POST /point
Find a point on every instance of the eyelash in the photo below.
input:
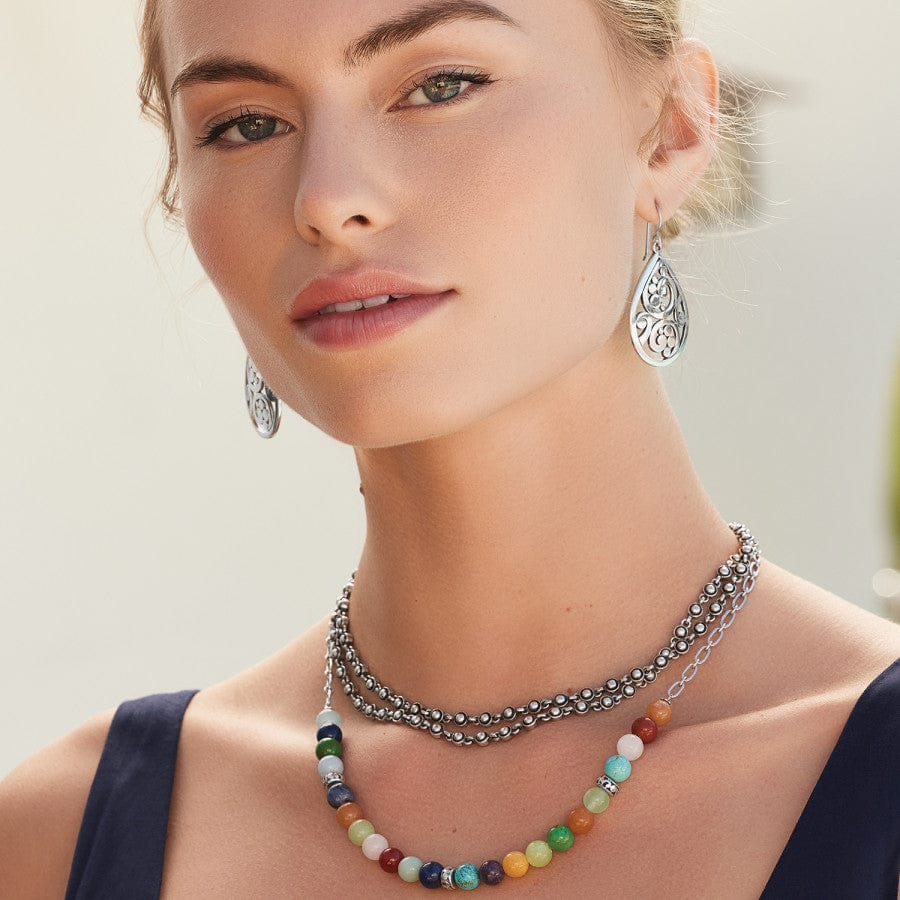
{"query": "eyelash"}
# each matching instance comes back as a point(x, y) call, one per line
point(214, 131)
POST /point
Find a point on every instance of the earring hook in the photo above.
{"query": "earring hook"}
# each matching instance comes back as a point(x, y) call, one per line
point(658, 229)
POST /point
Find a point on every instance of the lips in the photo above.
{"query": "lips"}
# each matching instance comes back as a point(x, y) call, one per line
point(356, 284)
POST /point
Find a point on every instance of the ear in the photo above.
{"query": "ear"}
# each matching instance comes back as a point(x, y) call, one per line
point(686, 132)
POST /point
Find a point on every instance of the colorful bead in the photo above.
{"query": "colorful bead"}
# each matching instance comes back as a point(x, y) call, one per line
point(491, 871)
point(390, 860)
point(466, 877)
point(538, 854)
point(515, 864)
point(580, 820)
point(348, 813)
point(329, 747)
point(328, 717)
point(330, 730)
point(330, 764)
point(408, 870)
point(374, 845)
point(645, 728)
point(618, 768)
point(630, 746)
point(660, 711)
point(595, 800)
point(339, 794)
point(359, 831)
point(430, 874)
point(560, 837)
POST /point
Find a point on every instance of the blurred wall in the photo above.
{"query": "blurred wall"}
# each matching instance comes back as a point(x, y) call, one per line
point(149, 541)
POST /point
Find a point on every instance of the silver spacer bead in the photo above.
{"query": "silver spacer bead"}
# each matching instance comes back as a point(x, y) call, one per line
point(332, 778)
point(608, 785)
point(447, 878)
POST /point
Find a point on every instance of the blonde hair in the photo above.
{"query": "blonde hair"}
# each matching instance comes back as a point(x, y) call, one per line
point(644, 34)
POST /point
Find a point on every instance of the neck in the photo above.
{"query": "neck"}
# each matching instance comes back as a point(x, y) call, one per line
point(547, 548)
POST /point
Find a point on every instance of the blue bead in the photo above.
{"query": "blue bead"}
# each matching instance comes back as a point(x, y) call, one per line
point(618, 768)
point(466, 877)
point(491, 871)
point(330, 731)
point(430, 874)
point(339, 794)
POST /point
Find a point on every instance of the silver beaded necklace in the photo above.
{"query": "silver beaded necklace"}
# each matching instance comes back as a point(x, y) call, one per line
point(711, 605)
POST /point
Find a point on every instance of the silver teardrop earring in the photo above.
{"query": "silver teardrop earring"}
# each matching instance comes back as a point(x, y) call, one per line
point(659, 315)
point(262, 404)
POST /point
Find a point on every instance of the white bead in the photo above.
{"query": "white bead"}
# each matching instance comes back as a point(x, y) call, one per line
point(330, 764)
point(630, 746)
point(328, 717)
point(374, 845)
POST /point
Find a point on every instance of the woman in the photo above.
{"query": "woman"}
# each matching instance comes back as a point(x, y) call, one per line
point(534, 522)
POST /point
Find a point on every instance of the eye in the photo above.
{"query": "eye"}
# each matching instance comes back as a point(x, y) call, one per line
point(252, 125)
point(443, 88)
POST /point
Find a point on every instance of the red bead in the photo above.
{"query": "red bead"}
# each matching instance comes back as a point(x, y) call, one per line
point(645, 728)
point(390, 859)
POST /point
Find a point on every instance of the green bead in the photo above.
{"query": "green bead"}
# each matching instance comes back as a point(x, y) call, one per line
point(595, 800)
point(538, 853)
point(560, 837)
point(359, 830)
point(408, 870)
point(329, 747)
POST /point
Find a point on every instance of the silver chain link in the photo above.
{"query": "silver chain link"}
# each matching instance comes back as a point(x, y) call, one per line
point(741, 567)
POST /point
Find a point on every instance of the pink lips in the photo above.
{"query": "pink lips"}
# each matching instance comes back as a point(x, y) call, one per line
point(363, 326)
point(358, 327)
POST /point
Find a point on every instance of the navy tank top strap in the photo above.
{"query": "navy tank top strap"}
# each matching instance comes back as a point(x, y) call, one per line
point(847, 841)
point(121, 842)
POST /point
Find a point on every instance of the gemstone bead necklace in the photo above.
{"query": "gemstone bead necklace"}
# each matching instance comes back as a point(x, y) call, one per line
point(580, 819)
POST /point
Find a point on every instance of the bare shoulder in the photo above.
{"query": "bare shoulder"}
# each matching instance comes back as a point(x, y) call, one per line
point(42, 802)
point(832, 644)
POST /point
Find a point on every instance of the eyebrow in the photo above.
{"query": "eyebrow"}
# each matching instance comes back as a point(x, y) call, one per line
point(377, 40)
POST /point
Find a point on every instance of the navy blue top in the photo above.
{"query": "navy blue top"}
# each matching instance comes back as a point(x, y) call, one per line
point(845, 845)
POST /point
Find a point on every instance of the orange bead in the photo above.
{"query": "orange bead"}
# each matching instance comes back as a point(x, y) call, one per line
point(660, 712)
point(580, 820)
point(348, 813)
point(515, 864)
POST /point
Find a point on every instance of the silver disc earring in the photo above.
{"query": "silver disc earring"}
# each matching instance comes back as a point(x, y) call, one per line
point(659, 315)
point(262, 404)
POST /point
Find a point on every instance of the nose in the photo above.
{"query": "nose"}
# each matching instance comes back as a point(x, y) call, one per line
point(344, 190)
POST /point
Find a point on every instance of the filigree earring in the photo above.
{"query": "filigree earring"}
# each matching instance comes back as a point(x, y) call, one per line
point(262, 404)
point(659, 315)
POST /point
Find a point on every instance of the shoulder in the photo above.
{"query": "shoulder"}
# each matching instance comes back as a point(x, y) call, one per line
point(796, 652)
point(841, 645)
point(42, 802)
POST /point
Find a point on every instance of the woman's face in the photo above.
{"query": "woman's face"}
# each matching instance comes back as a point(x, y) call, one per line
point(520, 196)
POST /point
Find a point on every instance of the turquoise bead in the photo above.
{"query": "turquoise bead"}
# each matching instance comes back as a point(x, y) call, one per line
point(466, 877)
point(409, 867)
point(618, 768)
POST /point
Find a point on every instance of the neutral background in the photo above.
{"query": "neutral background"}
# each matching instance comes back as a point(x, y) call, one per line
point(149, 541)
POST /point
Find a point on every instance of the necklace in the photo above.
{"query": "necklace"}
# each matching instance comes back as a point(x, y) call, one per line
point(594, 801)
point(708, 607)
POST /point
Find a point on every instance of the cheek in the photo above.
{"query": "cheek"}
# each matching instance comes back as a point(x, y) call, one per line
point(545, 207)
point(231, 228)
